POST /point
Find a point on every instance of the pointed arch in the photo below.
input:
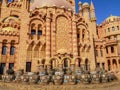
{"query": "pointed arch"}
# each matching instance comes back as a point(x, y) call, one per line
point(54, 62)
point(30, 51)
point(42, 51)
point(78, 61)
point(66, 61)
point(36, 50)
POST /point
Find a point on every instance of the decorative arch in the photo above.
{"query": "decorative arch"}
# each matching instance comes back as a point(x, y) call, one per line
point(62, 33)
point(66, 61)
point(42, 50)
point(36, 50)
point(43, 61)
point(37, 26)
point(7, 19)
point(78, 61)
point(63, 15)
point(54, 62)
point(82, 31)
point(12, 47)
point(4, 47)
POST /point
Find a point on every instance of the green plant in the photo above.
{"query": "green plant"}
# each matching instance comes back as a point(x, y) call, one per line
point(10, 71)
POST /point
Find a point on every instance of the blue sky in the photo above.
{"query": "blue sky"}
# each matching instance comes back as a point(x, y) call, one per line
point(104, 8)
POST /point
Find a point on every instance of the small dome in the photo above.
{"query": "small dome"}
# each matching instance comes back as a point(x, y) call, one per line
point(50, 3)
point(85, 4)
point(62, 51)
point(112, 18)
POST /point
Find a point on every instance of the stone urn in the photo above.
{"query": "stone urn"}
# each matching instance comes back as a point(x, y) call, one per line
point(33, 79)
point(69, 78)
point(104, 77)
point(7, 78)
point(58, 77)
point(18, 75)
point(95, 77)
point(86, 78)
point(25, 78)
point(44, 80)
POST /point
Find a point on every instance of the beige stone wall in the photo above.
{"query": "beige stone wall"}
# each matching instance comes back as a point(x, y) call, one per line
point(60, 27)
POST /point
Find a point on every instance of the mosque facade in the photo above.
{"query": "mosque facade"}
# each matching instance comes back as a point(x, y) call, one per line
point(50, 34)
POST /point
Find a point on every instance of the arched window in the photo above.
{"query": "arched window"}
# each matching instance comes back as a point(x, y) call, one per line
point(113, 28)
point(108, 29)
point(65, 63)
point(33, 32)
point(12, 50)
point(96, 53)
point(106, 49)
point(39, 32)
point(83, 34)
point(4, 50)
point(112, 49)
point(118, 28)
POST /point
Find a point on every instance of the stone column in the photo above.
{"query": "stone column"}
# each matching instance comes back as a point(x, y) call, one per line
point(48, 50)
point(71, 37)
point(53, 39)
point(48, 68)
point(74, 37)
point(111, 64)
point(118, 66)
point(60, 66)
point(41, 67)
point(72, 66)
point(106, 64)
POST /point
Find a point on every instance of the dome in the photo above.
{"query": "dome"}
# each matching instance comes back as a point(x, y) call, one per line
point(85, 4)
point(50, 3)
point(62, 51)
point(112, 18)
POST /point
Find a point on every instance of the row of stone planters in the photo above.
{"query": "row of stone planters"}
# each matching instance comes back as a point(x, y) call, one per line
point(59, 77)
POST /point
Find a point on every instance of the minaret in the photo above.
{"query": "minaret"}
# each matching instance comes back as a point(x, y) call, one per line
point(86, 10)
point(26, 4)
point(4, 3)
point(92, 11)
point(80, 8)
point(93, 20)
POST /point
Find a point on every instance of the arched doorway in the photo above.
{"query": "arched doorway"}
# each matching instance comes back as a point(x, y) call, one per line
point(109, 65)
point(53, 63)
point(66, 62)
point(86, 64)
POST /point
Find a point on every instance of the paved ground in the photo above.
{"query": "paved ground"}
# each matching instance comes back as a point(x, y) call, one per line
point(13, 86)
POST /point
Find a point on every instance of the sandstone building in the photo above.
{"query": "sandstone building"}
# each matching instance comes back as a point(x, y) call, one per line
point(49, 34)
